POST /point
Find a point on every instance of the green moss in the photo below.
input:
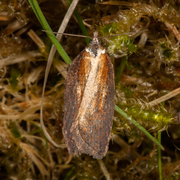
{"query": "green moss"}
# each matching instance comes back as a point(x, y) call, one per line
point(168, 53)
point(109, 29)
point(127, 91)
point(120, 45)
point(15, 74)
point(14, 130)
point(163, 45)
point(16, 133)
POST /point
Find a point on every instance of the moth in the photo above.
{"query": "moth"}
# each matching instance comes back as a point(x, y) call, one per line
point(89, 102)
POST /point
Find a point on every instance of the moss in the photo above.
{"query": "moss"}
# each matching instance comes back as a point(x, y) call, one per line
point(152, 52)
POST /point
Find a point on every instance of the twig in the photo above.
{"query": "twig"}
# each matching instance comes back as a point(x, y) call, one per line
point(174, 29)
point(104, 169)
point(165, 97)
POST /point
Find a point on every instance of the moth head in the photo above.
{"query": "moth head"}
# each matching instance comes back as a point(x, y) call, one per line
point(95, 39)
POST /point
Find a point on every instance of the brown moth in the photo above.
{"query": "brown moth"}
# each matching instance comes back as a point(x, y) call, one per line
point(89, 102)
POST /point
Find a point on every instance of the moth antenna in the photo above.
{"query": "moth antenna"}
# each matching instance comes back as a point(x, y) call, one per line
point(95, 35)
point(129, 33)
point(76, 35)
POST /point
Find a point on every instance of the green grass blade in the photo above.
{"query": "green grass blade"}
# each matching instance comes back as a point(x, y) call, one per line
point(47, 28)
point(121, 69)
point(159, 157)
point(119, 110)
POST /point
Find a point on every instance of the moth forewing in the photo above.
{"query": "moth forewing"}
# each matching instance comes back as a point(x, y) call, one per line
point(89, 102)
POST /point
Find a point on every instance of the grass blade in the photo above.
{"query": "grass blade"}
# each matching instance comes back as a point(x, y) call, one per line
point(48, 30)
point(120, 111)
